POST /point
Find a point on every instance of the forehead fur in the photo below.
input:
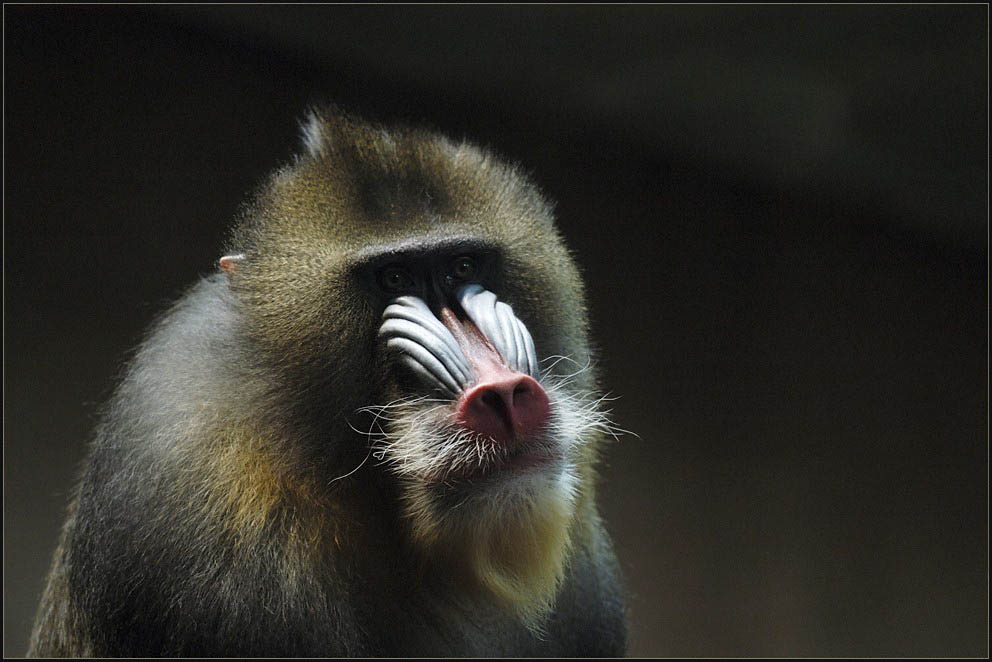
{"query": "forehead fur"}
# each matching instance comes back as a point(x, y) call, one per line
point(357, 180)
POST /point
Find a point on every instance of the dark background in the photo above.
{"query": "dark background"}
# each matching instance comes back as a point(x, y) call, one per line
point(781, 212)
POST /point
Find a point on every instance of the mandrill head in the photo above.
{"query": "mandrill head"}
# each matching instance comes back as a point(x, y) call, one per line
point(423, 282)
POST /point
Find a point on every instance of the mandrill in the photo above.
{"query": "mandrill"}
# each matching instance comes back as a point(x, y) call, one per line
point(372, 432)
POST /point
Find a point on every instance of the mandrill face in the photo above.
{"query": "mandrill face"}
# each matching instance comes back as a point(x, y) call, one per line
point(433, 275)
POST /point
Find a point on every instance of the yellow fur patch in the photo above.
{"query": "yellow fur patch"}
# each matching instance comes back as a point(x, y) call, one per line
point(247, 483)
point(514, 550)
point(244, 486)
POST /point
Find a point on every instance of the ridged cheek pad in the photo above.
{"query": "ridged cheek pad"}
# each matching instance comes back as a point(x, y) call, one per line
point(487, 362)
point(427, 345)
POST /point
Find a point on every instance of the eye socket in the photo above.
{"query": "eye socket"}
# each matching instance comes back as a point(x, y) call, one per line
point(396, 279)
point(463, 268)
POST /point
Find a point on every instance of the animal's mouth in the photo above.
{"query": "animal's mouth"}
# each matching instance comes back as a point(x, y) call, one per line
point(528, 458)
point(493, 462)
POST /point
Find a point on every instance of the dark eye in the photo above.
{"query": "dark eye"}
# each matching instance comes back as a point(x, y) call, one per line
point(462, 268)
point(395, 279)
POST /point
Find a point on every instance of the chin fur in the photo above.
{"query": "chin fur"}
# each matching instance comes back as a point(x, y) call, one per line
point(505, 529)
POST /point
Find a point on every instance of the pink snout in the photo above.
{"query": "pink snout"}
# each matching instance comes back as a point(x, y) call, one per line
point(507, 409)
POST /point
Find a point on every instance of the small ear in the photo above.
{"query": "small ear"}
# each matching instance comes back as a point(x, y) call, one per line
point(229, 263)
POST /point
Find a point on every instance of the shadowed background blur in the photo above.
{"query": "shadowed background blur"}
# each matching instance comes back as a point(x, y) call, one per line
point(781, 212)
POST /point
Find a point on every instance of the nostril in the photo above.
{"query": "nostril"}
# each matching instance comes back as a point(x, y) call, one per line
point(493, 400)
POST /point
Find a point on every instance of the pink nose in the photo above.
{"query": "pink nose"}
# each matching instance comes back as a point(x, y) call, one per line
point(505, 409)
